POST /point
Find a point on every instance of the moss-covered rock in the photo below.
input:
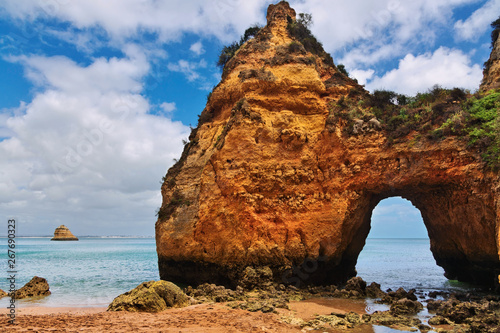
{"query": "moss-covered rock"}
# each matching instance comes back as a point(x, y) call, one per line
point(152, 296)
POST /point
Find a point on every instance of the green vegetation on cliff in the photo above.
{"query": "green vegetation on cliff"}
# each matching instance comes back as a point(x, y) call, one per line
point(496, 31)
point(299, 30)
point(433, 115)
point(228, 52)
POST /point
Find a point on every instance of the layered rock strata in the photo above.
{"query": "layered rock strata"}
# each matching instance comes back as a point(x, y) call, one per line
point(62, 233)
point(269, 178)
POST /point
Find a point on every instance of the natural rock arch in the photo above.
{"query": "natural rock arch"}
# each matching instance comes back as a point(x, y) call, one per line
point(275, 176)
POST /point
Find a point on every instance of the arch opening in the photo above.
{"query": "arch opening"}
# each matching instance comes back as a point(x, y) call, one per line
point(397, 250)
point(458, 224)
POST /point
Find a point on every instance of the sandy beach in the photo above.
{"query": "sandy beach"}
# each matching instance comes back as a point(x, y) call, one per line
point(196, 318)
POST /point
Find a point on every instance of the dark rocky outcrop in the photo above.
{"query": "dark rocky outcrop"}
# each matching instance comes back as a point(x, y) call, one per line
point(62, 233)
point(152, 296)
point(36, 287)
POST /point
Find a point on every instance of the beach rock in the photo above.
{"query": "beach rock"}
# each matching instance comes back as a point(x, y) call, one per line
point(271, 177)
point(152, 296)
point(386, 318)
point(374, 291)
point(482, 315)
point(439, 320)
point(394, 296)
point(62, 233)
point(406, 306)
point(259, 277)
point(36, 287)
point(356, 284)
point(324, 322)
point(214, 293)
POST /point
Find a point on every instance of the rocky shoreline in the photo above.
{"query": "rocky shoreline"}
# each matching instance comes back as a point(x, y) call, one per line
point(447, 312)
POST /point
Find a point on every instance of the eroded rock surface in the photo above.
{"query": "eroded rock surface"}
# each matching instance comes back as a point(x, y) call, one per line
point(152, 296)
point(36, 287)
point(491, 78)
point(270, 179)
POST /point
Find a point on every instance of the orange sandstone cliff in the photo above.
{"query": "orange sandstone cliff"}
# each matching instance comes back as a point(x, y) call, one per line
point(270, 179)
point(491, 78)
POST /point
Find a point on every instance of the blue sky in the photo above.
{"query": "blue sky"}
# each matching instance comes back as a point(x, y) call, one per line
point(98, 95)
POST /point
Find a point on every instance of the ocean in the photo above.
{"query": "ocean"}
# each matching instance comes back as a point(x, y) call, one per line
point(93, 271)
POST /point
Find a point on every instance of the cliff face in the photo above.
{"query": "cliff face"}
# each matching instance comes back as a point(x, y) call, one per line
point(269, 178)
point(62, 233)
point(491, 78)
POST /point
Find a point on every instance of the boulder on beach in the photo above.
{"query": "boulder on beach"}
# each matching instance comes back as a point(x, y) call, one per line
point(62, 233)
point(151, 296)
point(37, 287)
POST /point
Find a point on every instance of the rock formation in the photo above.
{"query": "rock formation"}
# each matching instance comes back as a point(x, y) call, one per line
point(37, 287)
point(150, 297)
point(491, 78)
point(271, 179)
point(62, 233)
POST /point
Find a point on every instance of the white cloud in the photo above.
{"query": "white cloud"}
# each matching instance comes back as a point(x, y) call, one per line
point(122, 19)
point(362, 75)
point(188, 68)
point(86, 147)
point(103, 75)
point(448, 68)
point(197, 48)
point(368, 23)
point(168, 107)
point(479, 21)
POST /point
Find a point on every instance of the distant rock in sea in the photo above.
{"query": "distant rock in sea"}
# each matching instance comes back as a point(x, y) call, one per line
point(62, 233)
point(37, 287)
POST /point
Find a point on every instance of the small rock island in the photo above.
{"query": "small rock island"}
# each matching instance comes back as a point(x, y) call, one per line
point(62, 233)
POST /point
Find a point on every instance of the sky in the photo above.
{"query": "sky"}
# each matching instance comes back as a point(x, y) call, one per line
point(97, 96)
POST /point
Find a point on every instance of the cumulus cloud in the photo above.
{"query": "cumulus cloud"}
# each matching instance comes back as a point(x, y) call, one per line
point(188, 68)
point(362, 75)
point(479, 21)
point(370, 23)
point(197, 48)
point(168, 107)
point(446, 67)
point(85, 147)
point(122, 19)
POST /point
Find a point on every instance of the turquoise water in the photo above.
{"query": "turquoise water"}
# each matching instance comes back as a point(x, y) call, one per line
point(406, 263)
point(90, 272)
point(93, 271)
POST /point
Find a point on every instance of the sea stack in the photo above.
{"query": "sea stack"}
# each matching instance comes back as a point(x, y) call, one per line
point(62, 233)
point(291, 156)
